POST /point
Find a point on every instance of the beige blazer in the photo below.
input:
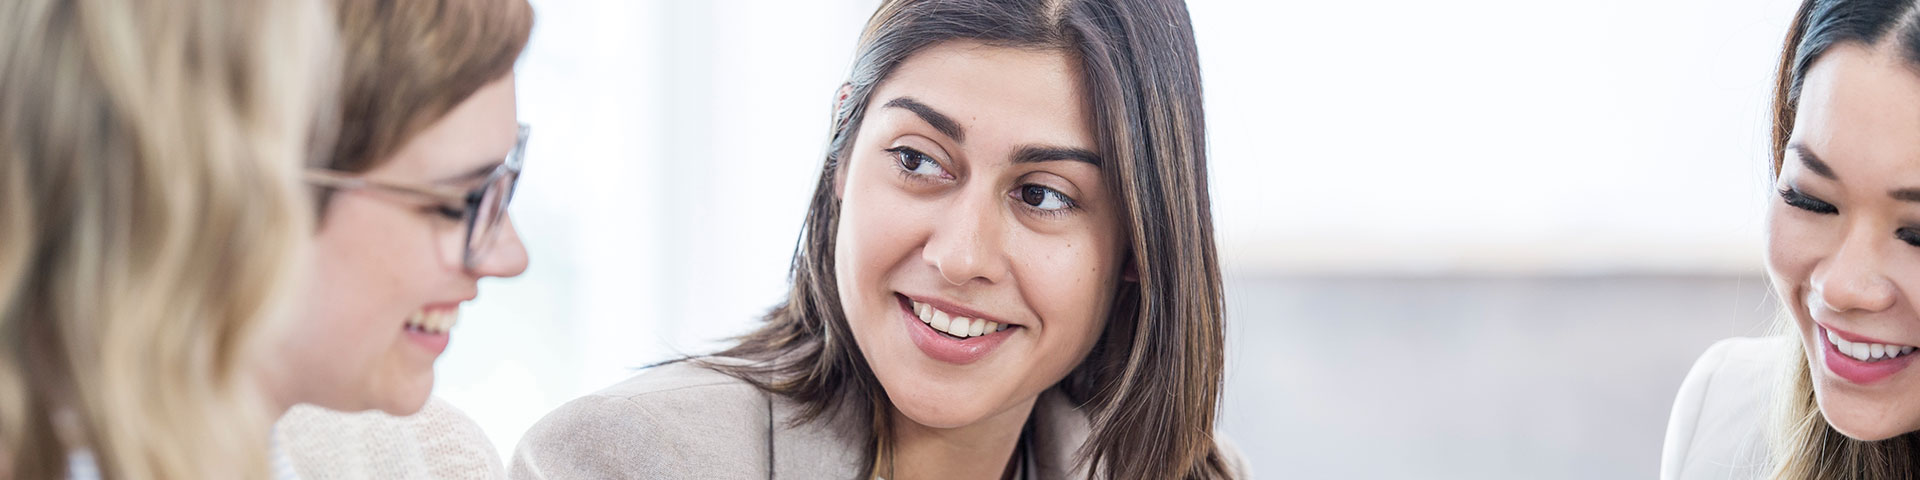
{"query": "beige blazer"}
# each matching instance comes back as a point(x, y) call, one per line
point(687, 421)
point(1718, 426)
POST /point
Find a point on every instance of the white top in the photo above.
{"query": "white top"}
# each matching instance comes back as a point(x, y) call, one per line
point(439, 442)
point(1718, 428)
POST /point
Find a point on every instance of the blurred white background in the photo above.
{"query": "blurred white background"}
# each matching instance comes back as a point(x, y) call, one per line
point(1466, 239)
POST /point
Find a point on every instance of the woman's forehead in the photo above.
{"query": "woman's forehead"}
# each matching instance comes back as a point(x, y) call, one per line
point(1858, 108)
point(995, 94)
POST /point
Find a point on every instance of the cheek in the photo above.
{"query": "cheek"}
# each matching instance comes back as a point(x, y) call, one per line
point(1793, 247)
point(373, 266)
point(1070, 284)
point(875, 233)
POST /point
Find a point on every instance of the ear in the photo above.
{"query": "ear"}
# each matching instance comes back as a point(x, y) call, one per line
point(840, 168)
point(839, 100)
point(1132, 270)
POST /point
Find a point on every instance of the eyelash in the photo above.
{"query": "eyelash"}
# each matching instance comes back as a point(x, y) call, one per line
point(904, 154)
point(446, 212)
point(1067, 203)
point(1908, 235)
point(1801, 201)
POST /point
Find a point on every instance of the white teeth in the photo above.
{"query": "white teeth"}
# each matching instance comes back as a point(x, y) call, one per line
point(959, 327)
point(435, 322)
point(940, 320)
point(954, 325)
point(1867, 352)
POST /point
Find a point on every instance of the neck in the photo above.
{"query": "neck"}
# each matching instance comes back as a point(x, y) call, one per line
point(276, 392)
point(983, 449)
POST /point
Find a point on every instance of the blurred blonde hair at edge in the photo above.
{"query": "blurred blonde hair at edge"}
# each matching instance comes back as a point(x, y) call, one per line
point(151, 218)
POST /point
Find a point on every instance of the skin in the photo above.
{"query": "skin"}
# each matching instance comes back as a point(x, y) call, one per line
point(1850, 269)
point(954, 223)
point(379, 258)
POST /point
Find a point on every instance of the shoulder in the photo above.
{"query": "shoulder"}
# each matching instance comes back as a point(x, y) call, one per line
point(1717, 426)
point(676, 420)
point(1230, 456)
point(438, 442)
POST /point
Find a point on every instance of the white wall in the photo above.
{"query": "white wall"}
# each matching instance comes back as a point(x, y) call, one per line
point(675, 143)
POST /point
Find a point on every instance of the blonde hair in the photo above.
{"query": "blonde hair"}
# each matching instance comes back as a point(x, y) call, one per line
point(150, 218)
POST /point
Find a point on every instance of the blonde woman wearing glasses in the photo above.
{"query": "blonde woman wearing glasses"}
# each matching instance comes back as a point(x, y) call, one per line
point(150, 219)
point(412, 206)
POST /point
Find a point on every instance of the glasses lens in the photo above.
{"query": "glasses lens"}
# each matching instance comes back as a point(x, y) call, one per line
point(488, 216)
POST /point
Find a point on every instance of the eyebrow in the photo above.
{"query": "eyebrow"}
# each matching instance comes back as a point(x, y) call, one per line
point(1906, 194)
point(1813, 162)
point(470, 175)
point(938, 120)
point(1820, 168)
point(1036, 154)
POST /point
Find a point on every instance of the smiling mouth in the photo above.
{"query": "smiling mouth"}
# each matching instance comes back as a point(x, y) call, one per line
point(950, 325)
point(1867, 352)
point(432, 321)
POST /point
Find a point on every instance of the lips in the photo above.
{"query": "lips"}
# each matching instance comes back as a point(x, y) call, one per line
point(429, 327)
point(1860, 360)
point(947, 343)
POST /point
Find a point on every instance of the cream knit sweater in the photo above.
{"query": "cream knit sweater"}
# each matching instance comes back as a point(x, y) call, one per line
point(440, 442)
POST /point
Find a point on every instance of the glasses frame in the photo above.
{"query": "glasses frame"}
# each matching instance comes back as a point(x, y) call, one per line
point(471, 200)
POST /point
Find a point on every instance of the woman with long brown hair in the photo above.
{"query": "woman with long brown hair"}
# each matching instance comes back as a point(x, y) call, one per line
point(1843, 252)
point(1007, 270)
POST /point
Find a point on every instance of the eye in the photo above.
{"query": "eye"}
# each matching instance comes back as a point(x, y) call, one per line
point(448, 212)
point(1044, 198)
point(912, 162)
point(1801, 201)
point(1909, 235)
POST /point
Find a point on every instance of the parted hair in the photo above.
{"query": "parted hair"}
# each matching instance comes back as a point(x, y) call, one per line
point(1152, 382)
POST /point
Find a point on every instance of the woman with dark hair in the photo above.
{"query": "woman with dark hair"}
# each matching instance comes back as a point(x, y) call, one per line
point(1843, 252)
point(1007, 270)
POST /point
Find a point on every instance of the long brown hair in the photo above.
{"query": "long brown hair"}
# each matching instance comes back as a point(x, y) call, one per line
point(1152, 381)
point(151, 220)
point(1804, 445)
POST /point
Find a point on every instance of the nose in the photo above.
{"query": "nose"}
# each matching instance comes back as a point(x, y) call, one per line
point(1851, 279)
point(507, 257)
point(967, 244)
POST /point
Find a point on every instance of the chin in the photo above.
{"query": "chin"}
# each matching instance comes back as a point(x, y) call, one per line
point(409, 400)
point(935, 417)
point(937, 411)
point(1859, 420)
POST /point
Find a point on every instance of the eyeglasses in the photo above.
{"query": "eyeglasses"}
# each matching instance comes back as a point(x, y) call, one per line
point(482, 208)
